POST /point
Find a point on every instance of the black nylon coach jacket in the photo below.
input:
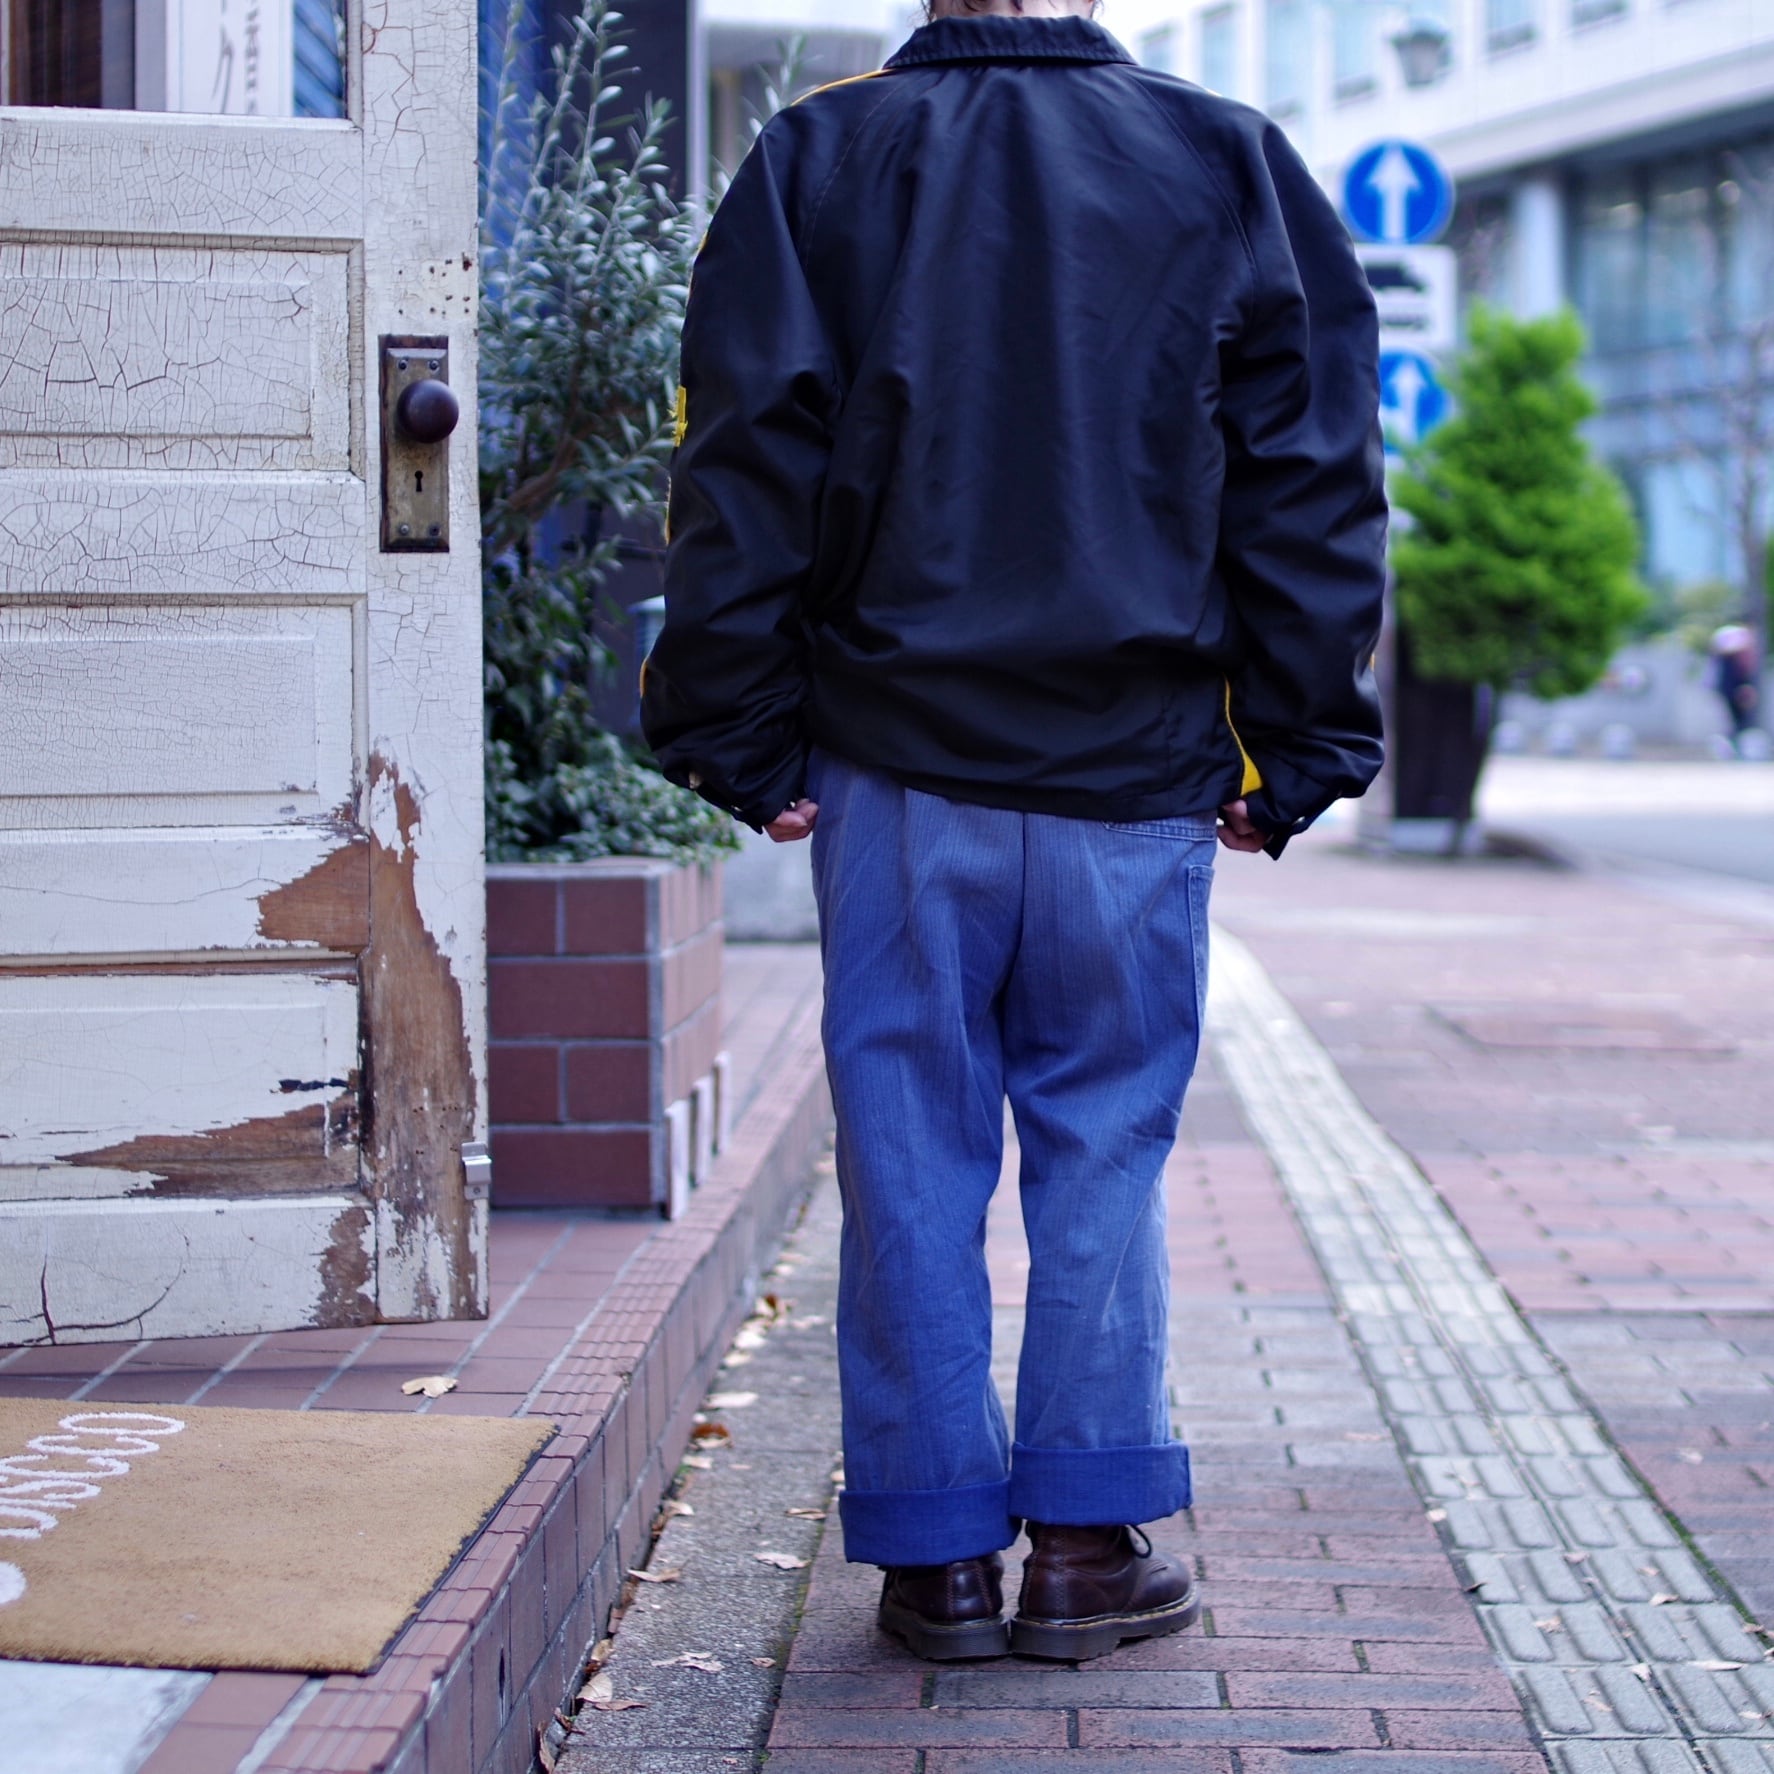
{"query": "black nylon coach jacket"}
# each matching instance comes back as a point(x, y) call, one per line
point(1028, 450)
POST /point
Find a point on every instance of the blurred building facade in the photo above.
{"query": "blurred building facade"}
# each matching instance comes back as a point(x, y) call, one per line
point(1617, 155)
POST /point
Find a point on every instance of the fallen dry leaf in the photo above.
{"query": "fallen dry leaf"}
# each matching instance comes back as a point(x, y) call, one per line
point(657, 1576)
point(738, 1358)
point(1690, 1456)
point(1716, 1663)
point(1641, 1670)
point(807, 1323)
point(783, 1561)
point(600, 1687)
point(701, 1462)
point(806, 1514)
point(763, 1663)
point(600, 1654)
point(706, 1661)
point(1436, 1514)
point(712, 1435)
point(1551, 1623)
point(545, 1753)
point(1663, 1598)
point(731, 1401)
point(751, 1336)
point(671, 1506)
point(432, 1385)
point(617, 1705)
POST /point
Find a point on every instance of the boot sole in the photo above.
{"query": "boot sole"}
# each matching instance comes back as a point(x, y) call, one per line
point(945, 1644)
point(1076, 1641)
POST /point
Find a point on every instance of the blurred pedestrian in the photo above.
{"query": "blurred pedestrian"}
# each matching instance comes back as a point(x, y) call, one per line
point(1736, 676)
point(1026, 531)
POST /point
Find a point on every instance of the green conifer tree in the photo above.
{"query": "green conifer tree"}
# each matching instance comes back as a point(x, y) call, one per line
point(1518, 568)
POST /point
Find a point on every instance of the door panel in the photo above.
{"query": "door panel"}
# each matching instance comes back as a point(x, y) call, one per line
point(167, 358)
point(98, 1271)
point(294, 889)
point(181, 1084)
point(80, 536)
point(81, 173)
point(241, 898)
point(166, 714)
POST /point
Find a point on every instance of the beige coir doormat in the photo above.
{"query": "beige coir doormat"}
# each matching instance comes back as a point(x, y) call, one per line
point(186, 1538)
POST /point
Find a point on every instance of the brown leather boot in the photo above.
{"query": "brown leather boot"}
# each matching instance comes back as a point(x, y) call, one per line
point(1086, 1589)
point(947, 1611)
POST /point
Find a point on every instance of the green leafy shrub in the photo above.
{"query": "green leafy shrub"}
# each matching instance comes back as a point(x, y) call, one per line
point(585, 264)
point(1518, 567)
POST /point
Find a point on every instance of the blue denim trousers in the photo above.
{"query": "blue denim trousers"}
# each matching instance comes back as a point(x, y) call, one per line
point(973, 954)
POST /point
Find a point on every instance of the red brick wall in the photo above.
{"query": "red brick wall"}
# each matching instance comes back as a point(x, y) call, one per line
point(604, 999)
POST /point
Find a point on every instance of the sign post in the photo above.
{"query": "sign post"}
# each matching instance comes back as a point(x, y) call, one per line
point(1397, 198)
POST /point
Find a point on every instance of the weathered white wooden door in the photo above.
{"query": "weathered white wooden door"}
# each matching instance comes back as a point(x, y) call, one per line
point(241, 905)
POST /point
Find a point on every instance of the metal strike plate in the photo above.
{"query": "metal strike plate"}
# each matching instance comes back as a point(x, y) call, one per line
point(477, 1171)
point(415, 475)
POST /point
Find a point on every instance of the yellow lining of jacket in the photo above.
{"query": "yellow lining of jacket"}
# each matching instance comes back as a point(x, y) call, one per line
point(1253, 777)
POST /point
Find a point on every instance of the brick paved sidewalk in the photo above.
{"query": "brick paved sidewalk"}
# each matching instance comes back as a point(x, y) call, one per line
point(1583, 1071)
point(1334, 1622)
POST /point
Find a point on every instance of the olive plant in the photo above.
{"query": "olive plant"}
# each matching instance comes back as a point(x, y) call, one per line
point(585, 261)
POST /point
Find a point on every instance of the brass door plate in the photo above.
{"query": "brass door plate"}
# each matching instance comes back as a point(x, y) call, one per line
point(415, 476)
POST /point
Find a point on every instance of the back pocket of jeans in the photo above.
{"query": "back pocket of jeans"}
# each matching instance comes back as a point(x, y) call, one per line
point(1190, 828)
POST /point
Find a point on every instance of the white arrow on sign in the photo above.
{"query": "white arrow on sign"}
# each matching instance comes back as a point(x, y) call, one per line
point(1396, 181)
point(1405, 385)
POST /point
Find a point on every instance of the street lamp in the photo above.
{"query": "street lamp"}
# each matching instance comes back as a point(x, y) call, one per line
point(1424, 50)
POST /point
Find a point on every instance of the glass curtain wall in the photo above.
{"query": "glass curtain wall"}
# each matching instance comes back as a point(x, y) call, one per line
point(1287, 56)
point(1219, 50)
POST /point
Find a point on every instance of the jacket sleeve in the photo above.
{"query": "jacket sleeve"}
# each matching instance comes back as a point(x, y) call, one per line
point(723, 688)
point(1303, 521)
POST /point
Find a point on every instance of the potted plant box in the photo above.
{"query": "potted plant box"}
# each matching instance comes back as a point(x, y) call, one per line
point(605, 1072)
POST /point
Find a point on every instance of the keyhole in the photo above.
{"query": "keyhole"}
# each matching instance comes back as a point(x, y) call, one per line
point(418, 480)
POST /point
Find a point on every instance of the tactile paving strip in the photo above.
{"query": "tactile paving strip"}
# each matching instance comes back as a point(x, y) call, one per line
point(1630, 1658)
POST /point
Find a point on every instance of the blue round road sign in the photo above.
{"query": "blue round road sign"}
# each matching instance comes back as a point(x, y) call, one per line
point(1412, 401)
point(1397, 193)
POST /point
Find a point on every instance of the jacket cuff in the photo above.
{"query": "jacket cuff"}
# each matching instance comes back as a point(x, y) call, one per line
point(1285, 806)
point(763, 800)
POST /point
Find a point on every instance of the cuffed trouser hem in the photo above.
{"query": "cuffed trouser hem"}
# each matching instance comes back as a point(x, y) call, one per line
point(926, 1527)
point(1099, 1487)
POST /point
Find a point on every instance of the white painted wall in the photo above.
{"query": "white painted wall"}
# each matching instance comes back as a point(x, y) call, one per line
point(1573, 86)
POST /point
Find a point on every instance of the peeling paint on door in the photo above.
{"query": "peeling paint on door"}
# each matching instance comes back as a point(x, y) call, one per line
point(421, 1080)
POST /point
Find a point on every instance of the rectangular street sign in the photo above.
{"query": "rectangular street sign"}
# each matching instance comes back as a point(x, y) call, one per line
point(1414, 288)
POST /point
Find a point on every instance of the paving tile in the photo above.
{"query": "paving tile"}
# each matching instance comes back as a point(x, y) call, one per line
point(1190, 1759)
point(839, 1727)
point(1318, 1730)
point(1466, 1690)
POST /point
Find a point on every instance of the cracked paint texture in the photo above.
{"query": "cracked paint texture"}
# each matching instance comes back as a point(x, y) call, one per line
point(129, 357)
point(232, 733)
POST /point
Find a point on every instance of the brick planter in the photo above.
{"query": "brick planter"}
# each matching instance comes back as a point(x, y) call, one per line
point(604, 1001)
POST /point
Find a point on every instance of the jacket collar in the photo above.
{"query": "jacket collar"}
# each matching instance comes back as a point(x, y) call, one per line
point(997, 38)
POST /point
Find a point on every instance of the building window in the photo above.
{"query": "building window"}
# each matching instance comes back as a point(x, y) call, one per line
point(1287, 52)
point(1158, 49)
point(1355, 51)
point(258, 58)
point(1508, 24)
point(1685, 264)
point(1610, 263)
point(1219, 50)
point(1593, 12)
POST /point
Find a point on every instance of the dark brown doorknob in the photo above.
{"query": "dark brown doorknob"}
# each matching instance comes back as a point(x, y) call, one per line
point(427, 411)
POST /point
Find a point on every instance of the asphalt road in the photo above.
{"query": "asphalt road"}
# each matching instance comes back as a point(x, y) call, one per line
point(1717, 818)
